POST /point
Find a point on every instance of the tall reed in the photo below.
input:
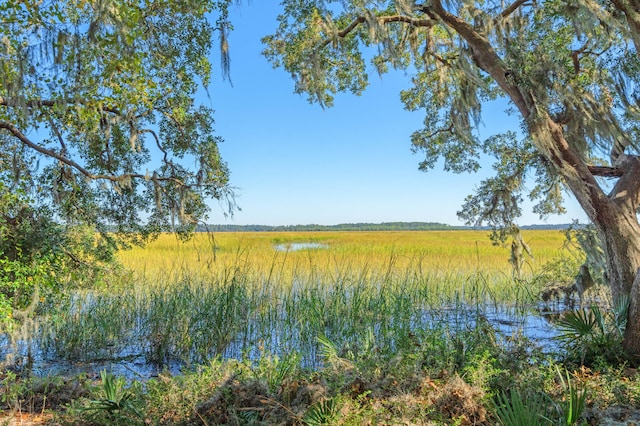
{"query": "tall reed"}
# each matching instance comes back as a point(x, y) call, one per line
point(252, 300)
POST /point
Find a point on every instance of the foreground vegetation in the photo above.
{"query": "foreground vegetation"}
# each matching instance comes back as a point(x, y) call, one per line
point(361, 328)
point(464, 379)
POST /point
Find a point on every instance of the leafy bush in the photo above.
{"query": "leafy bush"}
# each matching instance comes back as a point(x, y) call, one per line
point(39, 257)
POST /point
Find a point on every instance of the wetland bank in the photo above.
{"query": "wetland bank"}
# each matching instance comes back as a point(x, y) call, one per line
point(302, 326)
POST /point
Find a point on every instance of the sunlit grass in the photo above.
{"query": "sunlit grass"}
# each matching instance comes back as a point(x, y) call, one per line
point(440, 265)
point(234, 295)
point(447, 252)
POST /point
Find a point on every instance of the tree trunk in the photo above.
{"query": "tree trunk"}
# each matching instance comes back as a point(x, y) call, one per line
point(631, 342)
point(614, 214)
point(617, 221)
point(621, 238)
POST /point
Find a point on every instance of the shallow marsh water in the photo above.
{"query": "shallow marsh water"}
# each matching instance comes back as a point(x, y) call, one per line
point(300, 246)
point(133, 363)
point(281, 291)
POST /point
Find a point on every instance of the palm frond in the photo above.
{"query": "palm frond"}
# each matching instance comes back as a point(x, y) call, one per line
point(576, 324)
point(518, 410)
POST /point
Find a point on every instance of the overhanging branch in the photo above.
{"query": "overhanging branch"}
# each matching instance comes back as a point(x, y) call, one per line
point(383, 20)
point(407, 20)
point(69, 162)
point(512, 8)
point(49, 103)
point(484, 55)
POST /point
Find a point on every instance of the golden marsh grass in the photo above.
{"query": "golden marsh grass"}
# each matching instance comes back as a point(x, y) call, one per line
point(234, 294)
point(455, 252)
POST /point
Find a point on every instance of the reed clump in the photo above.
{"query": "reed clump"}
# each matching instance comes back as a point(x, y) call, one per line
point(236, 296)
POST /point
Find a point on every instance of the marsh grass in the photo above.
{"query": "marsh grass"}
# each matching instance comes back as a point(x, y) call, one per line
point(235, 296)
point(452, 252)
point(374, 328)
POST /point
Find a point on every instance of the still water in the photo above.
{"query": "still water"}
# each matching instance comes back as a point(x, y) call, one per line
point(299, 246)
point(509, 325)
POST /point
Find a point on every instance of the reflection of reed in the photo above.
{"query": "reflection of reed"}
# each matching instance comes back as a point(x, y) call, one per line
point(553, 317)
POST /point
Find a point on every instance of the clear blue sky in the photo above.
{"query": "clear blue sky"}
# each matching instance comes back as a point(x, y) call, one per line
point(294, 163)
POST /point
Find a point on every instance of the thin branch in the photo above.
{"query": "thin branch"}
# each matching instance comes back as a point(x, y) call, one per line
point(406, 19)
point(439, 58)
point(512, 8)
point(158, 144)
point(383, 20)
point(39, 103)
point(56, 131)
point(172, 118)
point(342, 34)
point(575, 56)
point(49, 153)
point(442, 130)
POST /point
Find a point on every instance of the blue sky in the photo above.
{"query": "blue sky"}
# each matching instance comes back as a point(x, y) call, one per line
point(294, 163)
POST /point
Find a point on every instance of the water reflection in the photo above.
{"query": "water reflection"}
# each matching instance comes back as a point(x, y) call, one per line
point(130, 358)
point(299, 246)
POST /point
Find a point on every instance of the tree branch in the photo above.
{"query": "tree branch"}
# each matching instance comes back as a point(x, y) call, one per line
point(158, 144)
point(352, 26)
point(483, 54)
point(439, 131)
point(56, 131)
point(39, 103)
point(406, 19)
point(606, 171)
point(383, 20)
point(631, 11)
point(626, 192)
point(439, 58)
point(512, 8)
point(50, 153)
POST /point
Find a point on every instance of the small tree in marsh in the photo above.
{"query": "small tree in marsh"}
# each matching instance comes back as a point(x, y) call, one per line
point(568, 69)
point(99, 128)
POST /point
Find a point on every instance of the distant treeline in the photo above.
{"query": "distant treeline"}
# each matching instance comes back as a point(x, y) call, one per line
point(552, 227)
point(385, 226)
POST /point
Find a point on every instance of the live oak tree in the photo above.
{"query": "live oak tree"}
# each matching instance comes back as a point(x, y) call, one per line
point(100, 129)
point(569, 70)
